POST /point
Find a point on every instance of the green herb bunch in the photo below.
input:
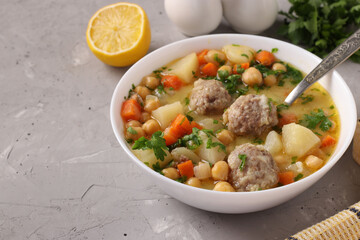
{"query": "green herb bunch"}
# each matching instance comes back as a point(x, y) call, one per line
point(321, 25)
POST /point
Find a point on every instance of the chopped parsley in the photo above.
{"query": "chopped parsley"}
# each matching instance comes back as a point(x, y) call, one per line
point(211, 144)
point(236, 45)
point(187, 101)
point(306, 98)
point(217, 59)
point(223, 74)
point(293, 160)
point(188, 116)
point(281, 107)
point(258, 141)
point(131, 130)
point(259, 50)
point(274, 50)
point(293, 74)
point(182, 179)
point(231, 83)
point(316, 118)
point(131, 91)
point(215, 121)
point(161, 89)
point(298, 177)
point(157, 168)
point(157, 73)
point(332, 107)
point(156, 143)
point(245, 55)
point(242, 157)
point(191, 141)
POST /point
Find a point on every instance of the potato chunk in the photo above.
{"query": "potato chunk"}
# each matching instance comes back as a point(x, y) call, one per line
point(165, 114)
point(298, 140)
point(148, 157)
point(213, 154)
point(273, 143)
point(238, 53)
point(184, 68)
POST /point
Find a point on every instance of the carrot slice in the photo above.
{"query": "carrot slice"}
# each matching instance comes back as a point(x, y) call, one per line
point(171, 81)
point(170, 137)
point(237, 67)
point(327, 141)
point(186, 169)
point(131, 110)
point(265, 58)
point(201, 57)
point(286, 177)
point(287, 118)
point(210, 69)
point(181, 125)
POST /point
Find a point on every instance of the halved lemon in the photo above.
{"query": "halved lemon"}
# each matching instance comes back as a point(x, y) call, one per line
point(119, 34)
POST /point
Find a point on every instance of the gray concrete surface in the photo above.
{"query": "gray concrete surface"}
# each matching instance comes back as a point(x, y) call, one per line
point(62, 172)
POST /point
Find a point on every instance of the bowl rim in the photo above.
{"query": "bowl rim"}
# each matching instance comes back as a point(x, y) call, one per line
point(304, 181)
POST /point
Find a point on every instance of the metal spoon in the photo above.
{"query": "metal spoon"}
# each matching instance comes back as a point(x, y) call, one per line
point(337, 56)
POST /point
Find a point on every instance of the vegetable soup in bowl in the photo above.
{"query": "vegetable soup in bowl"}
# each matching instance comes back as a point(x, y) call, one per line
point(205, 118)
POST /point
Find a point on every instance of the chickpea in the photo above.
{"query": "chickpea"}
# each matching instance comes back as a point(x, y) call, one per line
point(151, 104)
point(194, 182)
point(151, 126)
point(314, 162)
point(270, 80)
point(145, 116)
point(134, 133)
point(225, 136)
point(223, 187)
point(225, 68)
point(220, 171)
point(151, 82)
point(142, 91)
point(133, 123)
point(215, 56)
point(252, 77)
point(171, 173)
point(278, 67)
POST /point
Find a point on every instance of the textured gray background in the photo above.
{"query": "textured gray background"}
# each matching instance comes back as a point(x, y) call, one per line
point(62, 172)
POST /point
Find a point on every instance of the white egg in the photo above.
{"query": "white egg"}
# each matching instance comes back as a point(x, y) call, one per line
point(250, 16)
point(194, 17)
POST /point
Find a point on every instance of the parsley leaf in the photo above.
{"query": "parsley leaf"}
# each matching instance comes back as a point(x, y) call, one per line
point(274, 50)
point(298, 177)
point(315, 119)
point(131, 130)
point(156, 143)
point(321, 25)
point(157, 168)
point(191, 141)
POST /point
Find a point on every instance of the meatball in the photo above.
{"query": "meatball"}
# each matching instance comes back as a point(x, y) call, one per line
point(257, 171)
point(251, 115)
point(209, 97)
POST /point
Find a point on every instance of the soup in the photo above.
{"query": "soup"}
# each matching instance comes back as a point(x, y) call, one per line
point(216, 120)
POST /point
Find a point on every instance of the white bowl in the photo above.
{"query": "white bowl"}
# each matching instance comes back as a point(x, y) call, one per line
point(236, 202)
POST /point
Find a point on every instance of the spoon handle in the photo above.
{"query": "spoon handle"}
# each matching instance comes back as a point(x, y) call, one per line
point(337, 56)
